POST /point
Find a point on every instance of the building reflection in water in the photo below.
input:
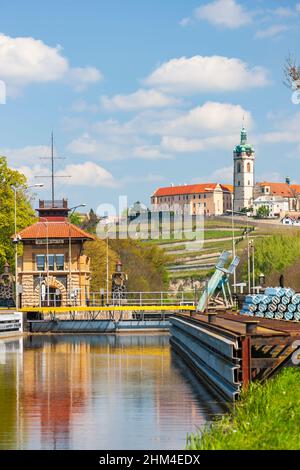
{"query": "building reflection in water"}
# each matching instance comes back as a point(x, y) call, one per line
point(99, 392)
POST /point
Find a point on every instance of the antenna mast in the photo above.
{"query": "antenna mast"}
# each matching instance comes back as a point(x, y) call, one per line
point(53, 176)
point(52, 168)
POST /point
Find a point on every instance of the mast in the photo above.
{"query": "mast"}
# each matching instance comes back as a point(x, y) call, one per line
point(52, 168)
point(52, 176)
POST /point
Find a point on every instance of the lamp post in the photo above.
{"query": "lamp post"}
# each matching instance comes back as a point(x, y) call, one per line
point(18, 238)
point(108, 226)
point(73, 209)
point(47, 258)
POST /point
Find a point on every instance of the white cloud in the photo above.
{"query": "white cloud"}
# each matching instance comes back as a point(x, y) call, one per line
point(211, 73)
point(150, 178)
point(81, 106)
point(141, 99)
point(225, 13)
point(148, 152)
point(30, 154)
point(286, 131)
point(284, 12)
point(81, 77)
point(210, 118)
point(89, 174)
point(271, 176)
point(185, 21)
point(160, 135)
point(272, 31)
point(110, 148)
point(25, 60)
point(184, 145)
point(220, 175)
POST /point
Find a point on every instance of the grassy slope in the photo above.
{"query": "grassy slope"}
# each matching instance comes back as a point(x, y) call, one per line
point(267, 417)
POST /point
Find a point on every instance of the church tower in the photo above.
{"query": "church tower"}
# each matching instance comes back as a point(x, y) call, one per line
point(243, 174)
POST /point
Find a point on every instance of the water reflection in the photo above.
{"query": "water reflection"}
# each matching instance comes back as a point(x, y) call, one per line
point(98, 392)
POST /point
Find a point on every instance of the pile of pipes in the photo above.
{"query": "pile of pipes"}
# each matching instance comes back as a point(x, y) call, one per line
point(276, 302)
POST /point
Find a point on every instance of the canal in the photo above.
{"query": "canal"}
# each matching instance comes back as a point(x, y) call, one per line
point(98, 392)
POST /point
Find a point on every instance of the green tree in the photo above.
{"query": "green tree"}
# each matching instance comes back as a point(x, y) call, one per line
point(263, 212)
point(75, 219)
point(144, 264)
point(90, 223)
point(25, 215)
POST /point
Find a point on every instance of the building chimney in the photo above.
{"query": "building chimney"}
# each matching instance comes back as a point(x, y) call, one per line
point(288, 180)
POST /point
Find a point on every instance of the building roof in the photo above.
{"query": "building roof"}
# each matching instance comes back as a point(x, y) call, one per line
point(190, 189)
point(282, 189)
point(227, 187)
point(54, 229)
point(292, 215)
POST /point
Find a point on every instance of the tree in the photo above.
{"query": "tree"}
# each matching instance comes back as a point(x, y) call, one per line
point(75, 219)
point(91, 222)
point(292, 74)
point(263, 212)
point(25, 215)
point(144, 264)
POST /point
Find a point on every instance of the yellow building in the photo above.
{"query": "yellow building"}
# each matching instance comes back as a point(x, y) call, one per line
point(53, 271)
point(193, 199)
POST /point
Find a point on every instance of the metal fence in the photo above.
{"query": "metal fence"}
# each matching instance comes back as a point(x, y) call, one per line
point(144, 298)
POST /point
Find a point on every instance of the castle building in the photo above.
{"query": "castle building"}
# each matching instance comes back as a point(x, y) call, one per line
point(290, 193)
point(193, 199)
point(243, 173)
point(53, 270)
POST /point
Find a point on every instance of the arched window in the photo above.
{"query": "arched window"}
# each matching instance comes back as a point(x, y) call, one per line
point(238, 167)
point(248, 167)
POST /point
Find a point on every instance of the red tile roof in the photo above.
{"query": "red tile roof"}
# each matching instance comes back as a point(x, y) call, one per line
point(282, 189)
point(54, 229)
point(227, 187)
point(189, 189)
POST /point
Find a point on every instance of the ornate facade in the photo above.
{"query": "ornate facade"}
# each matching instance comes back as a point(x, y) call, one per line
point(53, 270)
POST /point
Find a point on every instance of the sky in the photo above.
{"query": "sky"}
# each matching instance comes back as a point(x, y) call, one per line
point(143, 94)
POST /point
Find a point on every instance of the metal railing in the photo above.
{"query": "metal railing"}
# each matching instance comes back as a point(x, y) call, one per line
point(101, 299)
point(159, 298)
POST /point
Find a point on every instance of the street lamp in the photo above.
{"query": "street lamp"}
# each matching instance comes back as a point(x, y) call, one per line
point(18, 238)
point(73, 209)
point(108, 226)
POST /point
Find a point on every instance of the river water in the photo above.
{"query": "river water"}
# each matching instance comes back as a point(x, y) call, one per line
point(98, 392)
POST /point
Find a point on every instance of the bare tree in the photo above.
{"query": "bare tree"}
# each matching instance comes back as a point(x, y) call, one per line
point(292, 73)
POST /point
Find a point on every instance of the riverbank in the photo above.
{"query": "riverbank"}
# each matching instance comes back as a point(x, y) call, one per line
point(266, 418)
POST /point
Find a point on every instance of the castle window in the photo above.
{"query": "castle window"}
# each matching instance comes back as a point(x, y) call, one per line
point(238, 167)
point(248, 182)
point(248, 167)
point(239, 183)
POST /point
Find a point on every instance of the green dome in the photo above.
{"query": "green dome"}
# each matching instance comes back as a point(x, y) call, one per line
point(244, 148)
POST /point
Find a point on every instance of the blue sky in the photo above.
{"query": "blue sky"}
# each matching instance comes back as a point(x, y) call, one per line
point(145, 94)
